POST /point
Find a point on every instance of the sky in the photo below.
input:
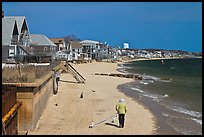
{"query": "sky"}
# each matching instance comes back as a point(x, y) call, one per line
point(160, 25)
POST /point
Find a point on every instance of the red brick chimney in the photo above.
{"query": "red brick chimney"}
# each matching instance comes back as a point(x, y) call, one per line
point(2, 14)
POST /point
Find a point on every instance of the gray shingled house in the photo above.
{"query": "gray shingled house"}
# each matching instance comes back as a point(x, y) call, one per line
point(42, 48)
point(15, 35)
point(20, 45)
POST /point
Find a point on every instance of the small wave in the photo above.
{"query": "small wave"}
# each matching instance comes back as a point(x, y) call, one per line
point(137, 89)
point(153, 78)
point(127, 67)
point(164, 114)
point(166, 95)
point(197, 120)
point(123, 66)
point(145, 83)
point(122, 70)
point(156, 97)
point(147, 77)
point(189, 112)
point(120, 65)
point(162, 80)
point(128, 85)
point(194, 119)
point(152, 81)
point(151, 96)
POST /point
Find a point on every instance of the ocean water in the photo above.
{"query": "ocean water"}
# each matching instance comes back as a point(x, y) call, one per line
point(172, 90)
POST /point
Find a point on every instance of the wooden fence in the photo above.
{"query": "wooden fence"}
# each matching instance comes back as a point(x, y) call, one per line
point(10, 107)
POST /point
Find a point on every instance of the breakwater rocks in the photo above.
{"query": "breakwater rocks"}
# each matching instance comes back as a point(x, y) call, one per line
point(132, 76)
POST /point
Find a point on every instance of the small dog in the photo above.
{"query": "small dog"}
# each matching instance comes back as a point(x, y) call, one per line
point(92, 124)
point(82, 95)
point(114, 119)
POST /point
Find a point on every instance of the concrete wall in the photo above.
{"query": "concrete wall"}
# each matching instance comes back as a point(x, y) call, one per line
point(40, 100)
point(34, 97)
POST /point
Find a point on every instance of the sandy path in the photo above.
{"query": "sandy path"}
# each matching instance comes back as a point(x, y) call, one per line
point(73, 115)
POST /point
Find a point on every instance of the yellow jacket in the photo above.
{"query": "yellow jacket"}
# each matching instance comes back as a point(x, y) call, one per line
point(121, 108)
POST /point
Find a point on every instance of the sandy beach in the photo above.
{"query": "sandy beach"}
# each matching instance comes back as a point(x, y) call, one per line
point(68, 114)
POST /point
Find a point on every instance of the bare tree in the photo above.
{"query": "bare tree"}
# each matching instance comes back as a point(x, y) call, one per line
point(71, 37)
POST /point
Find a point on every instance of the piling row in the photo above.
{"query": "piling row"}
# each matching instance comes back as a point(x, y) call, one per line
point(132, 76)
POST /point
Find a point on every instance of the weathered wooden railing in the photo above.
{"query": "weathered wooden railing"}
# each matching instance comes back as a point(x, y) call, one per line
point(75, 73)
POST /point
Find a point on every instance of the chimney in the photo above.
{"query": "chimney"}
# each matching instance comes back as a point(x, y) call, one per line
point(2, 14)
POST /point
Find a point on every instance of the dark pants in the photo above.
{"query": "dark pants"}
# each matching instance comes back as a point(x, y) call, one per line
point(57, 79)
point(121, 120)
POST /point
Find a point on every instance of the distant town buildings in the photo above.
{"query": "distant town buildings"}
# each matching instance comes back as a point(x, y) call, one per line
point(20, 45)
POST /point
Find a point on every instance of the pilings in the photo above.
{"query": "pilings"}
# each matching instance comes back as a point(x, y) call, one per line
point(132, 76)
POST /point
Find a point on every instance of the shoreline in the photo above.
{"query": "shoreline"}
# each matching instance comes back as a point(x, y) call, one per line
point(161, 128)
point(156, 109)
point(150, 59)
point(73, 114)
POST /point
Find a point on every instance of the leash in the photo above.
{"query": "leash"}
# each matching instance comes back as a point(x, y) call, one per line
point(93, 125)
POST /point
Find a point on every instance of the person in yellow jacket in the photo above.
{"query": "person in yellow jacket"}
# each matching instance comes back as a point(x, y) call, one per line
point(121, 109)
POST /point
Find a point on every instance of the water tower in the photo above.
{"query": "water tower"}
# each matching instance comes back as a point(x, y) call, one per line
point(125, 45)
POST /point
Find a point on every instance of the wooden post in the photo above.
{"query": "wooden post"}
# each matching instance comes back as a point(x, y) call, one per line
point(3, 129)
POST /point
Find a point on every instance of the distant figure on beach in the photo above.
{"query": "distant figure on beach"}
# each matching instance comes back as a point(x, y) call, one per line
point(121, 109)
point(82, 95)
point(57, 76)
point(56, 80)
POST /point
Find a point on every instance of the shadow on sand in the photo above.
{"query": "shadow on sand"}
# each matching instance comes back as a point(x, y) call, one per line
point(111, 124)
point(68, 81)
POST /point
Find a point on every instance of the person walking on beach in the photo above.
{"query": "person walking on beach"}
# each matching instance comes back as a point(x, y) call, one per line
point(121, 109)
point(57, 77)
point(56, 81)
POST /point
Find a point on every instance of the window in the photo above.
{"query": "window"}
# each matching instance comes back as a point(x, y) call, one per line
point(11, 52)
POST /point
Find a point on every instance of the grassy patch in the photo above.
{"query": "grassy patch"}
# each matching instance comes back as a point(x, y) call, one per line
point(25, 73)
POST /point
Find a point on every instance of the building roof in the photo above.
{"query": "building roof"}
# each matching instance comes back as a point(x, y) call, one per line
point(90, 41)
point(57, 40)
point(41, 40)
point(8, 25)
point(19, 19)
point(76, 45)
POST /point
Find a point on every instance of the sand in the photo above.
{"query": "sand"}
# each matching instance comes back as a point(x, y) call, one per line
point(68, 114)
